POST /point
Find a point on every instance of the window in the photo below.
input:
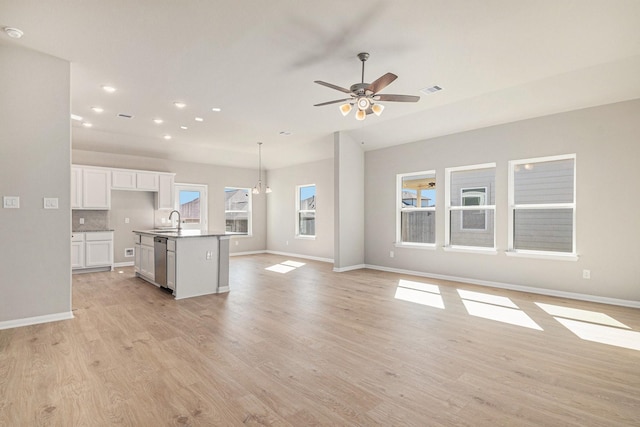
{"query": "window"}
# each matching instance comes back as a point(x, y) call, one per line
point(306, 211)
point(416, 219)
point(237, 210)
point(191, 201)
point(542, 205)
point(470, 202)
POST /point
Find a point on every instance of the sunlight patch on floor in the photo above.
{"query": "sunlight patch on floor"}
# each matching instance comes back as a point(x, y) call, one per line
point(602, 334)
point(419, 293)
point(285, 267)
point(493, 307)
point(594, 326)
point(583, 315)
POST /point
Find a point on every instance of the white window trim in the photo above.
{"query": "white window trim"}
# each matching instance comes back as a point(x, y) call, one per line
point(511, 251)
point(249, 210)
point(299, 211)
point(399, 243)
point(448, 208)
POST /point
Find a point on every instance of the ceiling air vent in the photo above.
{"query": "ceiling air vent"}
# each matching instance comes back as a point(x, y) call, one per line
point(125, 116)
point(430, 90)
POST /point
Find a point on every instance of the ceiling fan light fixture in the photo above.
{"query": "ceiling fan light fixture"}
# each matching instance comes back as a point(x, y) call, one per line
point(361, 115)
point(345, 109)
point(377, 109)
point(363, 103)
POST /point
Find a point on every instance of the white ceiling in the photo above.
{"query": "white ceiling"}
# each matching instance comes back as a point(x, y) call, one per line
point(497, 60)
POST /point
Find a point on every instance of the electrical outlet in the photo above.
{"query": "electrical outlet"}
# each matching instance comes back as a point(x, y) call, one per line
point(209, 254)
point(391, 254)
point(586, 274)
point(81, 221)
point(237, 243)
point(126, 220)
point(286, 243)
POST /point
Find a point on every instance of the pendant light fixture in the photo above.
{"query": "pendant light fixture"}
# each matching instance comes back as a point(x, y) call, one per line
point(258, 187)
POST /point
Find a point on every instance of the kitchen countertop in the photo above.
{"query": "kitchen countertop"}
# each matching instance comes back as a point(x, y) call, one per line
point(182, 233)
point(91, 231)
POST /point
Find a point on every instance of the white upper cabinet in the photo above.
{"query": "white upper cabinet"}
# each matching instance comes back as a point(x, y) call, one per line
point(76, 188)
point(96, 189)
point(147, 181)
point(134, 180)
point(90, 188)
point(164, 198)
point(123, 180)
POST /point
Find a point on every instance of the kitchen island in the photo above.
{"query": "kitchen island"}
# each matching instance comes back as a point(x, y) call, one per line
point(188, 263)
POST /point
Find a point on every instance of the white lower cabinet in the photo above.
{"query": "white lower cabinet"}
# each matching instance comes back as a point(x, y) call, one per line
point(146, 261)
point(92, 250)
point(171, 264)
point(77, 250)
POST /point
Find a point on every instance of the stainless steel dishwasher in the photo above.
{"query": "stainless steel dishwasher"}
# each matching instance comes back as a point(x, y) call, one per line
point(160, 257)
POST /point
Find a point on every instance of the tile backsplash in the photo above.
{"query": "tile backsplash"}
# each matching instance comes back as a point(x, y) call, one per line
point(93, 220)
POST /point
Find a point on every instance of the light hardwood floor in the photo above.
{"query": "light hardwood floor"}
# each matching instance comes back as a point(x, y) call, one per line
point(313, 347)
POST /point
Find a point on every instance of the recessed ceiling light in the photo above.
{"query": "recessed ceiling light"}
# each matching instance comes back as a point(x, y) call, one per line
point(167, 137)
point(76, 117)
point(184, 127)
point(97, 109)
point(108, 89)
point(179, 104)
point(158, 121)
point(199, 119)
point(86, 124)
point(14, 33)
point(216, 109)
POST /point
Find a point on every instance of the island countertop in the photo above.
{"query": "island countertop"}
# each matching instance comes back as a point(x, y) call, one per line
point(182, 233)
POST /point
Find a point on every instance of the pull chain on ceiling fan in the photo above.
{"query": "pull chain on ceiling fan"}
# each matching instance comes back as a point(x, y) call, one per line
point(363, 95)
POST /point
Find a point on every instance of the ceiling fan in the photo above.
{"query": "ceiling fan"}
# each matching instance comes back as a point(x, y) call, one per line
point(365, 95)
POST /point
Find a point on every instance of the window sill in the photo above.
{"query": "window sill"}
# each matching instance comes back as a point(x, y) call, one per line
point(429, 246)
point(306, 237)
point(558, 256)
point(471, 250)
point(234, 234)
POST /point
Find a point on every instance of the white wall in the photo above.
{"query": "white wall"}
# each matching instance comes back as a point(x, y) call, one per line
point(215, 177)
point(281, 209)
point(35, 148)
point(605, 140)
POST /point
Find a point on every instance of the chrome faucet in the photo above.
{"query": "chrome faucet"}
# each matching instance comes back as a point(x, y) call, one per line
point(171, 214)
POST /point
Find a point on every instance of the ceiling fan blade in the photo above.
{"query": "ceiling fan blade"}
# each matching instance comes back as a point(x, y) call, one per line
point(397, 98)
point(332, 102)
point(341, 89)
point(382, 82)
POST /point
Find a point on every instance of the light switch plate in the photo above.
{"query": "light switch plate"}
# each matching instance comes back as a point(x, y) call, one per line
point(51, 203)
point(11, 202)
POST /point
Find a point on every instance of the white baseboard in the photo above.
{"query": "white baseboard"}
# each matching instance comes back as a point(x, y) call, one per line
point(512, 287)
point(314, 258)
point(247, 253)
point(8, 324)
point(349, 268)
point(124, 264)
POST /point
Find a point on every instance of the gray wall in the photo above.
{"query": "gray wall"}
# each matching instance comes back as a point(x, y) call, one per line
point(605, 140)
point(349, 209)
point(215, 177)
point(35, 145)
point(281, 212)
